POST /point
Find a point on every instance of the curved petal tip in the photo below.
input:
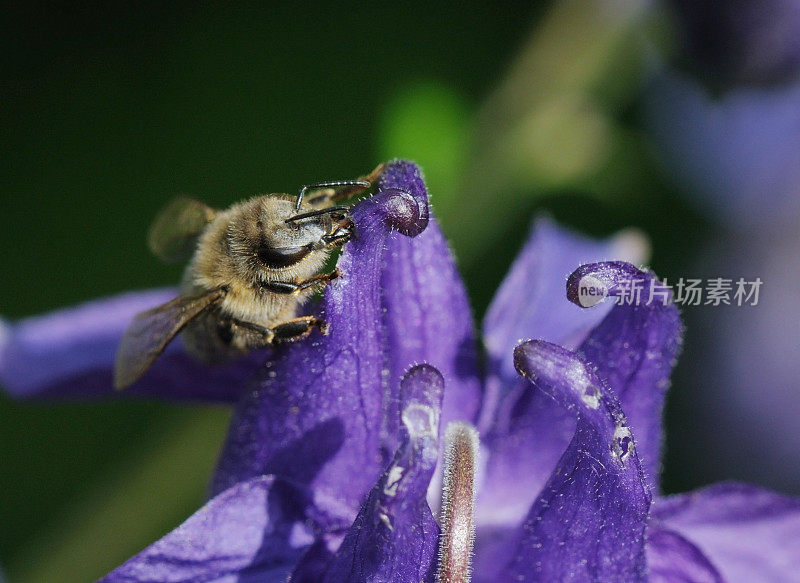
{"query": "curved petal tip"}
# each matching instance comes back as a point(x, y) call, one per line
point(592, 283)
point(407, 205)
point(404, 212)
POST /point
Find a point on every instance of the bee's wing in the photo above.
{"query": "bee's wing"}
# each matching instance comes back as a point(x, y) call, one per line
point(173, 234)
point(151, 331)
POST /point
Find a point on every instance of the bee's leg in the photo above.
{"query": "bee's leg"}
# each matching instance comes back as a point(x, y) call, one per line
point(288, 287)
point(338, 236)
point(288, 331)
point(340, 233)
point(322, 279)
point(330, 192)
point(297, 329)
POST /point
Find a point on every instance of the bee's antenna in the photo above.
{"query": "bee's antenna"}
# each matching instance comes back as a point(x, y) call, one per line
point(333, 209)
point(359, 184)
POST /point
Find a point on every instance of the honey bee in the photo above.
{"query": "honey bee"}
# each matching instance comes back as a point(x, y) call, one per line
point(251, 268)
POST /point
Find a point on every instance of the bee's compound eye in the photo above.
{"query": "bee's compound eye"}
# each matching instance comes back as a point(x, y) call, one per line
point(277, 257)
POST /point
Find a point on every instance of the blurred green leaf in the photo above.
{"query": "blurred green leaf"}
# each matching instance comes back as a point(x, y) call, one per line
point(428, 122)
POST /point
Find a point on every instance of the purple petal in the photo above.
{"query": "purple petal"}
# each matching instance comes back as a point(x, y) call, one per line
point(315, 413)
point(394, 536)
point(673, 559)
point(531, 304)
point(70, 353)
point(588, 523)
point(427, 317)
point(251, 532)
point(633, 349)
point(748, 533)
point(528, 437)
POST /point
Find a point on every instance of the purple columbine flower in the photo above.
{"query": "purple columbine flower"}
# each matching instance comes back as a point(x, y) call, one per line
point(730, 133)
point(550, 457)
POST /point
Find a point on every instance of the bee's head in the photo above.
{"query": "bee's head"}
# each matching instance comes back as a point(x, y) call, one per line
point(269, 238)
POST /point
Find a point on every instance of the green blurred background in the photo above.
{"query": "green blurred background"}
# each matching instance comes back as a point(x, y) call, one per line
point(110, 110)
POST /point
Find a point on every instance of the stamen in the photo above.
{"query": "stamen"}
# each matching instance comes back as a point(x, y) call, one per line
point(457, 520)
